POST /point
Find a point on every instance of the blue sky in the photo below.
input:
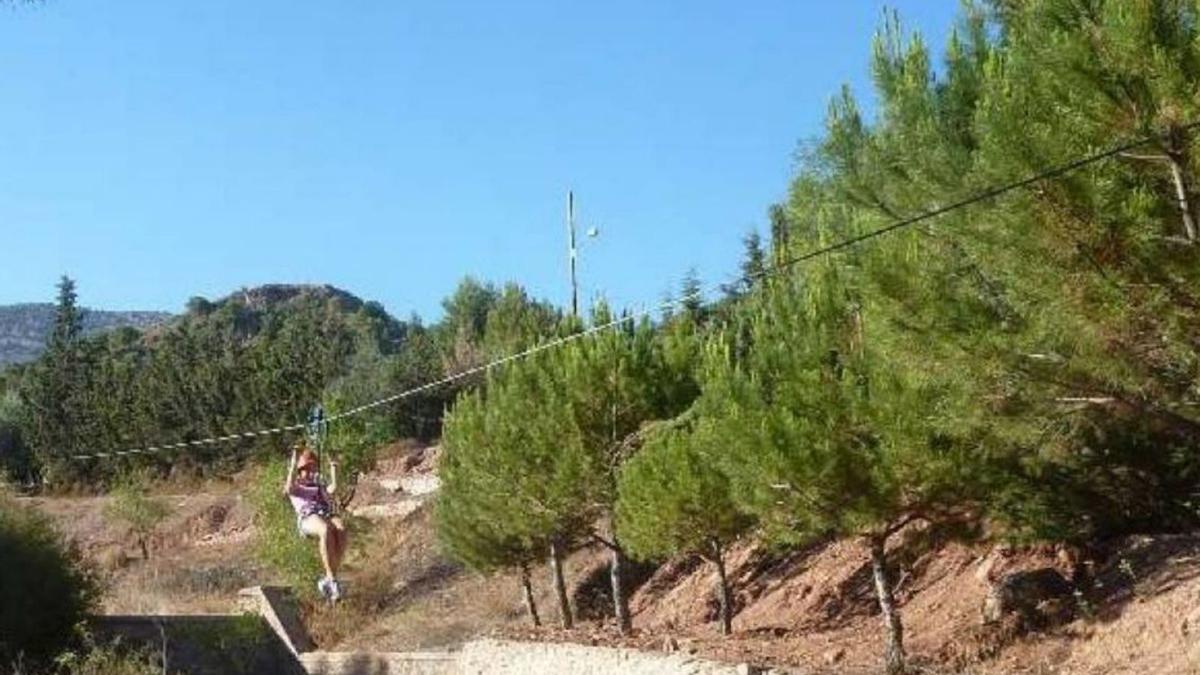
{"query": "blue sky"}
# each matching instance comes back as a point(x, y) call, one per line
point(158, 150)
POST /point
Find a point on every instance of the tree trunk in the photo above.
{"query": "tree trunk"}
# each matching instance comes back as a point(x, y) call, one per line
point(723, 596)
point(620, 601)
point(560, 586)
point(527, 591)
point(1181, 194)
point(894, 648)
point(1176, 150)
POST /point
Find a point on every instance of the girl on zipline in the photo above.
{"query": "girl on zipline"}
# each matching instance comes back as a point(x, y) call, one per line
point(314, 515)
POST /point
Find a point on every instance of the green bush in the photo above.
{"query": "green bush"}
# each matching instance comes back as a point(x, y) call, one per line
point(44, 590)
point(241, 646)
point(113, 658)
point(15, 460)
point(133, 508)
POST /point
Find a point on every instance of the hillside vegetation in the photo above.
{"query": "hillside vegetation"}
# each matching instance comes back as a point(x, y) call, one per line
point(1025, 367)
point(257, 359)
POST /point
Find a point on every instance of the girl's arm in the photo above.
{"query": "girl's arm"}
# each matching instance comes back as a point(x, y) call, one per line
point(291, 474)
point(332, 475)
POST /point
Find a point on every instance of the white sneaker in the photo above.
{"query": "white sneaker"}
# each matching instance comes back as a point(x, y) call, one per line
point(335, 590)
point(325, 587)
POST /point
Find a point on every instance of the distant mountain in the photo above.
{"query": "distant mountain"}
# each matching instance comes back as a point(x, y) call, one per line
point(25, 327)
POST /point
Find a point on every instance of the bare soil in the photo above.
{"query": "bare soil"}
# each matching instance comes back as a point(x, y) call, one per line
point(812, 609)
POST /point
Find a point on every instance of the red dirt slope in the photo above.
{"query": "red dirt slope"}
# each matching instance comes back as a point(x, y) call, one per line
point(814, 609)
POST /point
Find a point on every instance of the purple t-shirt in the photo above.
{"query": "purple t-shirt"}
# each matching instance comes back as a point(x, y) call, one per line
point(308, 498)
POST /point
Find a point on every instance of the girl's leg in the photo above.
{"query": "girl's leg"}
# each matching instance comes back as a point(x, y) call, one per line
point(337, 530)
point(315, 526)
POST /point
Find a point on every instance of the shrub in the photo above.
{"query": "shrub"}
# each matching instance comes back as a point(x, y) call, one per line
point(243, 645)
point(44, 589)
point(131, 507)
point(15, 460)
point(113, 658)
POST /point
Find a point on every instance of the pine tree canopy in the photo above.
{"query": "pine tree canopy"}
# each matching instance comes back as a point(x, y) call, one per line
point(674, 498)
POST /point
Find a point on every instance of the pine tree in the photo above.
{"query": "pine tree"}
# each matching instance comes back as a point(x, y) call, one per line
point(1114, 70)
point(468, 529)
point(691, 296)
point(52, 390)
point(555, 426)
point(839, 432)
point(68, 318)
point(1099, 287)
point(752, 267)
point(673, 499)
point(780, 229)
point(462, 329)
point(516, 449)
point(615, 382)
point(516, 322)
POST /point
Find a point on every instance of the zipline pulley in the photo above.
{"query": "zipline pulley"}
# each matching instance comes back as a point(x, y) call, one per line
point(317, 429)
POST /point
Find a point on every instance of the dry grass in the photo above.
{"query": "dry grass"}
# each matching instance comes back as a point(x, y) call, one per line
point(198, 558)
point(203, 583)
point(405, 594)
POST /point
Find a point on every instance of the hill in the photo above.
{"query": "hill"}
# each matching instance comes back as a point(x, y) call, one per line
point(272, 295)
point(24, 327)
point(258, 358)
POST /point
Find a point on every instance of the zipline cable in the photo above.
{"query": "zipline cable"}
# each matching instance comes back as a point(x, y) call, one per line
point(196, 443)
point(985, 195)
point(629, 317)
point(990, 193)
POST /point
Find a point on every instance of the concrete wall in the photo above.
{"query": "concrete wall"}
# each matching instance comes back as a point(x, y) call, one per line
point(380, 663)
point(277, 606)
point(272, 641)
point(204, 644)
point(501, 657)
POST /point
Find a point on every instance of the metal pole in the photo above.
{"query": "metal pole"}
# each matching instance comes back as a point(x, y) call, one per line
point(572, 252)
